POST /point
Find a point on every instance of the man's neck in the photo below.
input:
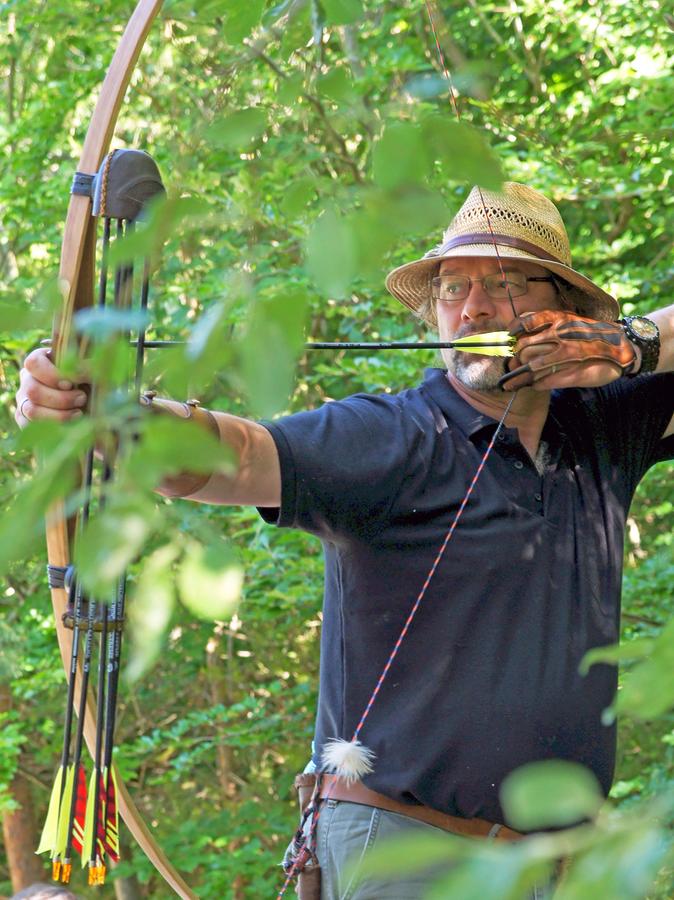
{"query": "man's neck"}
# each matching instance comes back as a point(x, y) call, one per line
point(528, 414)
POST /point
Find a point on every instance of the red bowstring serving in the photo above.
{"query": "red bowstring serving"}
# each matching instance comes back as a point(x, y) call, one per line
point(301, 858)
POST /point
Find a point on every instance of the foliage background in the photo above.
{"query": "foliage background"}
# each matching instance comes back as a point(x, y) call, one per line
point(320, 146)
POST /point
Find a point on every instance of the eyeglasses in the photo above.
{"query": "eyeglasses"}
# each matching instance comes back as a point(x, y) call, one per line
point(498, 287)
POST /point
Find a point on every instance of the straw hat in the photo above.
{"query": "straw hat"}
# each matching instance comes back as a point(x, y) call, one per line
point(525, 225)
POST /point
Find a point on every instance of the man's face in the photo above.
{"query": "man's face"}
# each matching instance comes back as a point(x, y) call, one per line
point(479, 313)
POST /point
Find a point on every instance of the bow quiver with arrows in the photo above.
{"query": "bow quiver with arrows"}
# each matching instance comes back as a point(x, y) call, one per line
point(90, 628)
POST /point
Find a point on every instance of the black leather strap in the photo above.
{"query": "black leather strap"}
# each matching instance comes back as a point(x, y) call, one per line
point(82, 184)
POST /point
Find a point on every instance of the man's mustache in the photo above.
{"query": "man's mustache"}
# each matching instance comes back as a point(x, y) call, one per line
point(485, 328)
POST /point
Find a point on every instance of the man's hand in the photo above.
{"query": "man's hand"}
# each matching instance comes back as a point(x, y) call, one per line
point(43, 392)
point(556, 349)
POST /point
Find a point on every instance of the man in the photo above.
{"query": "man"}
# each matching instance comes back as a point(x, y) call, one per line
point(487, 677)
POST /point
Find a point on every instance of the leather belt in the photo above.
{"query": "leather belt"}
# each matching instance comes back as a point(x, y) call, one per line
point(333, 788)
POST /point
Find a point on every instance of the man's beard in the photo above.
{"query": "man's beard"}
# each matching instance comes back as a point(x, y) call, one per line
point(480, 373)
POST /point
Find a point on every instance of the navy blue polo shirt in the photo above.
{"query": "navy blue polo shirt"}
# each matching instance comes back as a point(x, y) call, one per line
point(487, 678)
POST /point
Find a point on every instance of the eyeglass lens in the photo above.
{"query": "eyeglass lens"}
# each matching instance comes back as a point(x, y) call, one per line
point(457, 287)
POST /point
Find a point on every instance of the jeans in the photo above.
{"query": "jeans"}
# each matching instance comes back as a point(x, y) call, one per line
point(346, 832)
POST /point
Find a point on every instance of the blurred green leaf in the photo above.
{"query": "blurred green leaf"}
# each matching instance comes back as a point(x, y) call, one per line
point(270, 347)
point(149, 610)
point(548, 794)
point(210, 580)
point(337, 85)
point(298, 196)
point(238, 130)
point(331, 254)
point(240, 19)
point(621, 867)
point(170, 445)
point(462, 152)
point(342, 12)
point(111, 542)
point(399, 156)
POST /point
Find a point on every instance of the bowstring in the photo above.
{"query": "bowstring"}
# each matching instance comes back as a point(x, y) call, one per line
point(457, 113)
point(308, 839)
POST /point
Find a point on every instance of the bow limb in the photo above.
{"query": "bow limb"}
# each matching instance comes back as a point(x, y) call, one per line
point(76, 277)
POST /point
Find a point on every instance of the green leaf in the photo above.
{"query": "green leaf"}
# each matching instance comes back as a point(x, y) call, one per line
point(110, 543)
point(331, 254)
point(290, 88)
point(615, 653)
point(210, 580)
point(299, 195)
point(399, 157)
point(337, 85)
point(240, 19)
point(269, 350)
point(238, 131)
point(648, 689)
point(342, 12)
point(552, 793)
point(102, 323)
point(149, 610)
point(461, 152)
point(621, 866)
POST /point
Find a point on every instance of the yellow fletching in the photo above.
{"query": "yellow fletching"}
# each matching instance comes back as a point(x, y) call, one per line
point(89, 821)
point(484, 344)
point(51, 823)
point(64, 813)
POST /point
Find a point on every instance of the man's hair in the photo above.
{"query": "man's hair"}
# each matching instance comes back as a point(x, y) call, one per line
point(41, 891)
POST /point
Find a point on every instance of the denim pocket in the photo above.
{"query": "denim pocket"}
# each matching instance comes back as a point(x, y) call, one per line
point(346, 831)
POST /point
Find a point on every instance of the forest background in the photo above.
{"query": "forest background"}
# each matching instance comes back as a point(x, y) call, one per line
point(308, 148)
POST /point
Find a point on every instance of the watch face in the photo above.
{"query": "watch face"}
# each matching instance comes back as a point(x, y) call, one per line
point(644, 328)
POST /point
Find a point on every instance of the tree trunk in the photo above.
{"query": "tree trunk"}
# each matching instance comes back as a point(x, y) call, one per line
point(18, 826)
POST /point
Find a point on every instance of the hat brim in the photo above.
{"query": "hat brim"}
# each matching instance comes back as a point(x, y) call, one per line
point(411, 283)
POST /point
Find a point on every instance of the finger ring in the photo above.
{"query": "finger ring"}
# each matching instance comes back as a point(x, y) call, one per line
point(553, 370)
point(21, 412)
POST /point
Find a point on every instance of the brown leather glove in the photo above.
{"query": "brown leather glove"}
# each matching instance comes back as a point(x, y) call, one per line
point(184, 484)
point(566, 340)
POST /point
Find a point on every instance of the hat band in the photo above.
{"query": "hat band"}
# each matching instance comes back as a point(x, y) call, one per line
point(481, 238)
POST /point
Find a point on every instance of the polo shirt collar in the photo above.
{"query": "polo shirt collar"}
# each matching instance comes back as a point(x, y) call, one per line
point(458, 410)
point(473, 423)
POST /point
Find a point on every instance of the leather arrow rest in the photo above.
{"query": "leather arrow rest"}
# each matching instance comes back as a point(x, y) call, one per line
point(76, 274)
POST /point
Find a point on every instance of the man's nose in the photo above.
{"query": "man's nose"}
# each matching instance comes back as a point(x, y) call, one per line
point(478, 304)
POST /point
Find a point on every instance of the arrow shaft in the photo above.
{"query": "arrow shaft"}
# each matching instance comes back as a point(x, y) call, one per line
point(361, 345)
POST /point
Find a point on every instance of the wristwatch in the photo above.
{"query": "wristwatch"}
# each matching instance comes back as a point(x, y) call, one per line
point(644, 334)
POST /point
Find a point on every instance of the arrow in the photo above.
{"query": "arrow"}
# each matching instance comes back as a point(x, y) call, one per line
point(494, 343)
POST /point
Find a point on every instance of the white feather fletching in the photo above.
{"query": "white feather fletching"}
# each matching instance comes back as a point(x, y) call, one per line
point(349, 760)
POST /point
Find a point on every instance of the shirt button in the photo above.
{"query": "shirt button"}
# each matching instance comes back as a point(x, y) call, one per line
point(518, 464)
point(501, 436)
point(538, 497)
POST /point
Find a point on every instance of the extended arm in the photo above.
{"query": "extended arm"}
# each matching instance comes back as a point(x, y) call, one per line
point(43, 394)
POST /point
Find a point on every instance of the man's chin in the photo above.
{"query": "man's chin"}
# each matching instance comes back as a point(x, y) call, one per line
point(479, 373)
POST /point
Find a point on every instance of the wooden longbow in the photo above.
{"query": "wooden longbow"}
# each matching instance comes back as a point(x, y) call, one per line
point(76, 273)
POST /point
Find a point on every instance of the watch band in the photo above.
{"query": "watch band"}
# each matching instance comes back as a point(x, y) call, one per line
point(645, 335)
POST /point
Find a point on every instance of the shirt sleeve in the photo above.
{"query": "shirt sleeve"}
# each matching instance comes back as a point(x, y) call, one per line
point(342, 465)
point(636, 412)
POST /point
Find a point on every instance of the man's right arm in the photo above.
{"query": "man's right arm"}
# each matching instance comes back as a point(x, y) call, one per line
point(43, 394)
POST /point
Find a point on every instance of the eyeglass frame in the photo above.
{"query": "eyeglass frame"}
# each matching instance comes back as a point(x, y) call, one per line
point(481, 281)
